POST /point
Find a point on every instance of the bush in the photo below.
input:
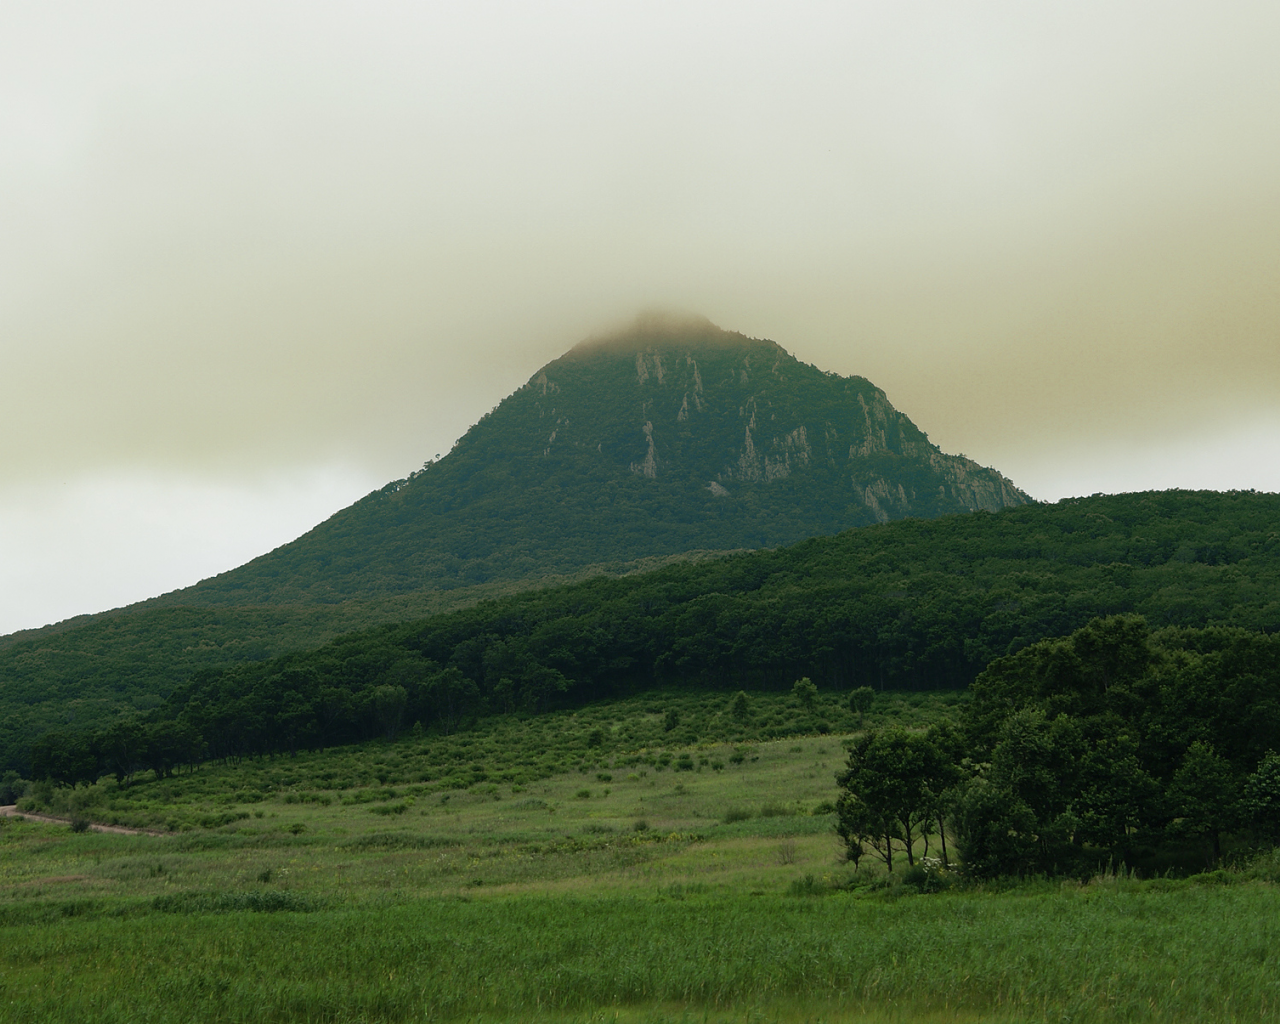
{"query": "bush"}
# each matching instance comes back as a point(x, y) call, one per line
point(736, 814)
point(996, 833)
point(79, 824)
point(806, 886)
point(12, 787)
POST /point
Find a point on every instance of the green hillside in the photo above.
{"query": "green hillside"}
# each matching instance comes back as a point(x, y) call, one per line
point(917, 604)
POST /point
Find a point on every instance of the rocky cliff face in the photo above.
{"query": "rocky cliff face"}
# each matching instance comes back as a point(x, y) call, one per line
point(729, 414)
point(668, 438)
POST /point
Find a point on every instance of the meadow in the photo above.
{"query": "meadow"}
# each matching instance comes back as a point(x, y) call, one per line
point(624, 874)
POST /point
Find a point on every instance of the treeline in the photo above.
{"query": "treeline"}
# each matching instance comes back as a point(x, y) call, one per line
point(909, 605)
point(1114, 745)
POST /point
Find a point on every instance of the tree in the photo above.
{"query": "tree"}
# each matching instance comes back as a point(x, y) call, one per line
point(740, 706)
point(891, 791)
point(1116, 795)
point(452, 696)
point(860, 701)
point(996, 832)
point(1261, 801)
point(12, 787)
point(805, 692)
point(64, 757)
point(1037, 759)
point(1203, 797)
point(389, 703)
point(123, 747)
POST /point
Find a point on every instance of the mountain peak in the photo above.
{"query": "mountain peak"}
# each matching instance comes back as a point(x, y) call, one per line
point(658, 327)
point(669, 436)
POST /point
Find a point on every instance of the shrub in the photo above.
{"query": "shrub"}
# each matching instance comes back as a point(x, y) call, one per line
point(79, 824)
point(736, 814)
point(583, 794)
point(806, 886)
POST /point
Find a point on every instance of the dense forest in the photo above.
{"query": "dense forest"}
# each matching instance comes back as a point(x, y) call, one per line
point(1113, 745)
point(907, 605)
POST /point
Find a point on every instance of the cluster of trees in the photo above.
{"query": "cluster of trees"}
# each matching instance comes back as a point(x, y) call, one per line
point(1113, 744)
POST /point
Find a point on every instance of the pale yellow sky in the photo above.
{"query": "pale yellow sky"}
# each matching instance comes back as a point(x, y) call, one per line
point(257, 258)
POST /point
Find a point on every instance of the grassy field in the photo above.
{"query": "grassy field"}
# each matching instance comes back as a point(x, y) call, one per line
point(623, 888)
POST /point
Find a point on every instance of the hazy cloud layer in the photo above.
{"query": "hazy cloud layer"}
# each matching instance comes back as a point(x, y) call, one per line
point(268, 238)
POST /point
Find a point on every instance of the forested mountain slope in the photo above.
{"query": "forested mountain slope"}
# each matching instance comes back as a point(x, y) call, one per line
point(673, 440)
point(665, 439)
point(913, 604)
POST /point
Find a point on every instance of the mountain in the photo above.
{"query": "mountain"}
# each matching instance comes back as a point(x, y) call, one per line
point(672, 441)
point(671, 437)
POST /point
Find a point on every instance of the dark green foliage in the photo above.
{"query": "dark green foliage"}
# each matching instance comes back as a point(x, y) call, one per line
point(1115, 742)
point(1260, 804)
point(908, 605)
point(892, 791)
point(12, 787)
point(805, 692)
point(860, 699)
point(1203, 797)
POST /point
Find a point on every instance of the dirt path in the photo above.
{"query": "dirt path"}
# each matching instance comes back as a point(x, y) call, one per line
point(11, 811)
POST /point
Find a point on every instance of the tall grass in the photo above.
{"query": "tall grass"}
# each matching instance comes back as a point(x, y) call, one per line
point(1194, 954)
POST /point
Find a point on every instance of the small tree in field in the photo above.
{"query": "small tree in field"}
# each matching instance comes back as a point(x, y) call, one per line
point(860, 701)
point(891, 791)
point(805, 692)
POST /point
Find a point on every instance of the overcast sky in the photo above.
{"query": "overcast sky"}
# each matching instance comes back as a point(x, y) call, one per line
point(258, 258)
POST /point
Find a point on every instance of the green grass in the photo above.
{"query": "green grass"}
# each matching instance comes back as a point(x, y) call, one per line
point(709, 894)
point(1190, 954)
point(489, 760)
